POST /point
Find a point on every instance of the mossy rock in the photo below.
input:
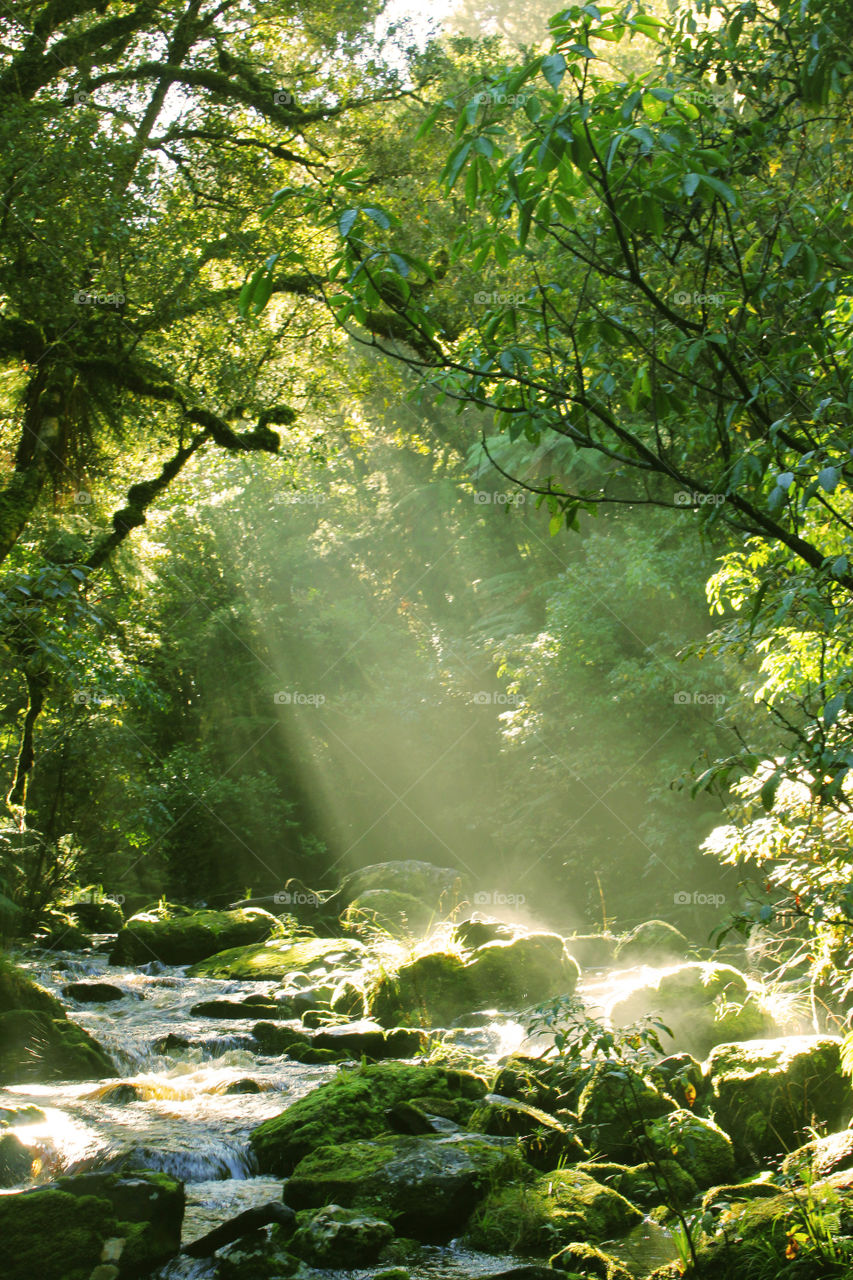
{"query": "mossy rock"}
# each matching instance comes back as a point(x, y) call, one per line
point(187, 939)
point(544, 1142)
point(653, 942)
point(354, 1105)
point(338, 1237)
point(703, 1004)
point(767, 1094)
point(16, 1160)
point(554, 1210)
point(438, 987)
point(529, 1080)
point(614, 1107)
point(98, 917)
point(58, 1232)
point(699, 1146)
point(477, 931)
point(37, 1047)
point(282, 957)
point(442, 889)
point(425, 1187)
point(588, 1261)
point(821, 1156)
point(646, 1184)
point(61, 931)
point(400, 914)
point(93, 992)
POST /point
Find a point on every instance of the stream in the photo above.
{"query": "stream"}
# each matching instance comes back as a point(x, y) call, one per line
point(178, 1115)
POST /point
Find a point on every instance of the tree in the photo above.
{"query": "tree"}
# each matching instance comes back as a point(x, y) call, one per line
point(135, 138)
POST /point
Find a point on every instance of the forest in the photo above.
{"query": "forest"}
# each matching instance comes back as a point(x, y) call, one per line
point(426, 599)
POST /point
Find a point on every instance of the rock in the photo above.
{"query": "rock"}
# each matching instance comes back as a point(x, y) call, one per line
point(400, 914)
point(722, 1197)
point(528, 1080)
point(228, 1009)
point(766, 1094)
point(557, 1209)
point(592, 950)
point(93, 992)
point(36, 1047)
point(586, 1260)
point(821, 1156)
point(544, 1142)
point(171, 1043)
point(246, 1085)
point(97, 917)
point(119, 1095)
point(367, 1039)
point(337, 1237)
point(250, 1220)
point(273, 1039)
point(478, 930)
point(354, 1105)
point(186, 939)
point(282, 958)
point(648, 1184)
point(653, 942)
point(703, 1005)
point(699, 1146)
point(437, 987)
point(614, 1106)
point(59, 1232)
point(60, 931)
point(407, 1117)
point(16, 1160)
point(441, 888)
point(424, 1186)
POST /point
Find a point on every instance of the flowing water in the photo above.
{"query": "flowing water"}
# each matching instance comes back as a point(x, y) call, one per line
point(178, 1116)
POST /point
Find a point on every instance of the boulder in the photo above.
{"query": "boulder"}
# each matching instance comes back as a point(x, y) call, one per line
point(554, 1210)
point(529, 1080)
point(236, 1009)
point(699, 1146)
point(438, 987)
point(821, 1156)
point(426, 1187)
point(283, 958)
point(98, 917)
point(61, 1232)
point(652, 1183)
point(186, 939)
point(544, 1142)
point(588, 1261)
point(16, 1160)
point(366, 1039)
point(273, 1213)
point(478, 930)
point(703, 1004)
point(337, 1237)
point(37, 1047)
point(653, 942)
point(355, 1105)
point(61, 931)
point(439, 888)
point(93, 992)
point(400, 914)
point(614, 1107)
point(766, 1094)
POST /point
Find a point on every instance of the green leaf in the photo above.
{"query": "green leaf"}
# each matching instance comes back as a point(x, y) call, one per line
point(554, 68)
point(828, 478)
point(720, 188)
point(377, 215)
point(346, 222)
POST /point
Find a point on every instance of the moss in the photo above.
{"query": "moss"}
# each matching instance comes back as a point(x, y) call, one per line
point(588, 1261)
point(699, 1146)
point(613, 1107)
point(186, 939)
point(34, 1046)
point(280, 957)
point(544, 1141)
point(644, 1184)
point(423, 1186)
point(767, 1093)
point(354, 1105)
point(555, 1210)
point(337, 1237)
point(400, 914)
point(53, 1235)
point(654, 941)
